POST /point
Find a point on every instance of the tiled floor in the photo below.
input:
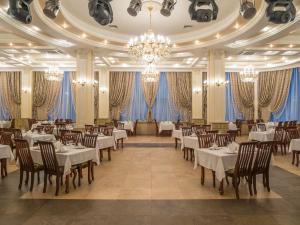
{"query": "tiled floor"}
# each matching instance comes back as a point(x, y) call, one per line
point(147, 184)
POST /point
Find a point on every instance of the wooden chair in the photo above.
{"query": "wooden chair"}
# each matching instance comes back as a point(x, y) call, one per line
point(26, 163)
point(232, 135)
point(69, 138)
point(207, 127)
point(279, 140)
point(6, 139)
point(261, 127)
point(108, 131)
point(222, 140)
point(135, 127)
point(79, 137)
point(17, 133)
point(49, 129)
point(89, 128)
point(186, 131)
point(213, 133)
point(51, 167)
point(259, 120)
point(280, 124)
point(262, 163)
point(238, 124)
point(286, 124)
point(294, 134)
point(243, 167)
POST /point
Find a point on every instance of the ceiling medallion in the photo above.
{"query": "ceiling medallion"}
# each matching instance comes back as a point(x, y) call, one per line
point(248, 74)
point(149, 47)
point(53, 73)
point(150, 74)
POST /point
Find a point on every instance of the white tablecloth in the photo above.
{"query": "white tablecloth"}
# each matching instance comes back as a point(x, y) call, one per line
point(35, 137)
point(70, 157)
point(177, 134)
point(106, 142)
point(262, 136)
point(128, 125)
point(294, 145)
point(232, 126)
point(5, 124)
point(6, 153)
point(119, 134)
point(190, 142)
point(216, 160)
point(166, 125)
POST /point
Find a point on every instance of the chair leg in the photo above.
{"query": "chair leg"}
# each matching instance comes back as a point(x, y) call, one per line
point(74, 178)
point(27, 178)
point(294, 156)
point(90, 164)
point(254, 184)
point(32, 181)
point(250, 185)
point(202, 175)
point(122, 143)
point(236, 188)
point(79, 176)
point(5, 167)
point(57, 183)
point(92, 170)
point(214, 178)
point(268, 181)
point(109, 154)
point(227, 181)
point(49, 179)
point(297, 162)
point(21, 179)
point(45, 182)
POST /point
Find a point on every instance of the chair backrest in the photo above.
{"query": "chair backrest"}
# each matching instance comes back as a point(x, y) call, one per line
point(292, 133)
point(232, 135)
point(108, 131)
point(89, 128)
point(40, 128)
point(222, 140)
point(261, 127)
point(205, 140)
point(263, 156)
point(49, 157)
point(23, 155)
point(17, 133)
point(207, 127)
point(186, 131)
point(49, 129)
point(79, 138)
point(286, 124)
point(280, 124)
point(252, 127)
point(213, 133)
point(120, 126)
point(90, 140)
point(279, 134)
point(244, 161)
point(69, 138)
point(238, 123)
point(6, 139)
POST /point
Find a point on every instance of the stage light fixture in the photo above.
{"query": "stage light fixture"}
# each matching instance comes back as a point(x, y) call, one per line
point(280, 11)
point(52, 8)
point(101, 11)
point(167, 7)
point(134, 7)
point(248, 9)
point(203, 10)
point(20, 10)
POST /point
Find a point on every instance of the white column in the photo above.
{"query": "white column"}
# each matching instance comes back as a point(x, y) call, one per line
point(197, 94)
point(85, 93)
point(216, 93)
point(104, 93)
point(26, 93)
point(256, 99)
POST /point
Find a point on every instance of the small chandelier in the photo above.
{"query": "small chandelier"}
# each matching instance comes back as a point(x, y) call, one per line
point(149, 47)
point(53, 73)
point(150, 74)
point(248, 74)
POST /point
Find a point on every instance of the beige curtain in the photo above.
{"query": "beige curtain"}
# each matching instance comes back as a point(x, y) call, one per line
point(10, 84)
point(120, 91)
point(150, 90)
point(180, 90)
point(96, 96)
point(243, 95)
point(45, 94)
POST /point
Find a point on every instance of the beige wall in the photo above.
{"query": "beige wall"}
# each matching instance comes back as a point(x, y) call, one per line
point(197, 97)
point(85, 94)
point(215, 93)
point(103, 96)
point(26, 93)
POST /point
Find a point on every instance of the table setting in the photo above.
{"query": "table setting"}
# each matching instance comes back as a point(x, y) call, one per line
point(5, 124)
point(35, 136)
point(262, 135)
point(166, 125)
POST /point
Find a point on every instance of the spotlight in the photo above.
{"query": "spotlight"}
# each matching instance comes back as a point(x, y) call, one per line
point(280, 11)
point(248, 9)
point(51, 8)
point(167, 7)
point(135, 7)
point(203, 10)
point(20, 10)
point(101, 11)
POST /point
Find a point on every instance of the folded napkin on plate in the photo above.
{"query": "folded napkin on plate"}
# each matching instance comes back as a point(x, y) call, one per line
point(233, 147)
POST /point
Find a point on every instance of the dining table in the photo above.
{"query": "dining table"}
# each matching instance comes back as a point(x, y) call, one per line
point(104, 142)
point(128, 125)
point(166, 126)
point(177, 135)
point(34, 137)
point(262, 135)
point(5, 124)
point(6, 152)
point(190, 142)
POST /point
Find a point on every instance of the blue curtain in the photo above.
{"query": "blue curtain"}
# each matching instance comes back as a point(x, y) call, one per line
point(137, 108)
point(163, 109)
point(64, 107)
point(232, 112)
point(4, 113)
point(291, 107)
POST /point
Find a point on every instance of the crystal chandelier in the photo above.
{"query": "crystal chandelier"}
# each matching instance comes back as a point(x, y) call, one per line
point(150, 47)
point(150, 74)
point(248, 74)
point(53, 73)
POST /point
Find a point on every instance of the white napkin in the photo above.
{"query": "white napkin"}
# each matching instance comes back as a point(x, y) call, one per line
point(233, 147)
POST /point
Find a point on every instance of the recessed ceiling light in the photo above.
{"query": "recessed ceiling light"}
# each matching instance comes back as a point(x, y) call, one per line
point(265, 29)
point(271, 45)
point(65, 25)
point(229, 58)
point(68, 56)
point(83, 35)
point(96, 57)
point(174, 45)
point(125, 65)
point(218, 36)
point(29, 44)
point(283, 58)
point(266, 58)
point(105, 42)
point(36, 28)
point(197, 42)
point(11, 44)
point(291, 46)
point(204, 58)
point(176, 65)
point(237, 25)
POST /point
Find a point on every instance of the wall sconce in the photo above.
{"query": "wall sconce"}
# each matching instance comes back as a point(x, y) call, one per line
point(103, 89)
point(197, 90)
point(205, 83)
point(84, 82)
point(221, 83)
point(26, 90)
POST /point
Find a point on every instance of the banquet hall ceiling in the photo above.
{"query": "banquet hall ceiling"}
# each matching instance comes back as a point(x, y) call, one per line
point(45, 41)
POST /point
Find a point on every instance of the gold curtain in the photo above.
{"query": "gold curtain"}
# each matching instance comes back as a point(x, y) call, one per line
point(243, 95)
point(180, 90)
point(11, 91)
point(150, 90)
point(45, 94)
point(120, 91)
